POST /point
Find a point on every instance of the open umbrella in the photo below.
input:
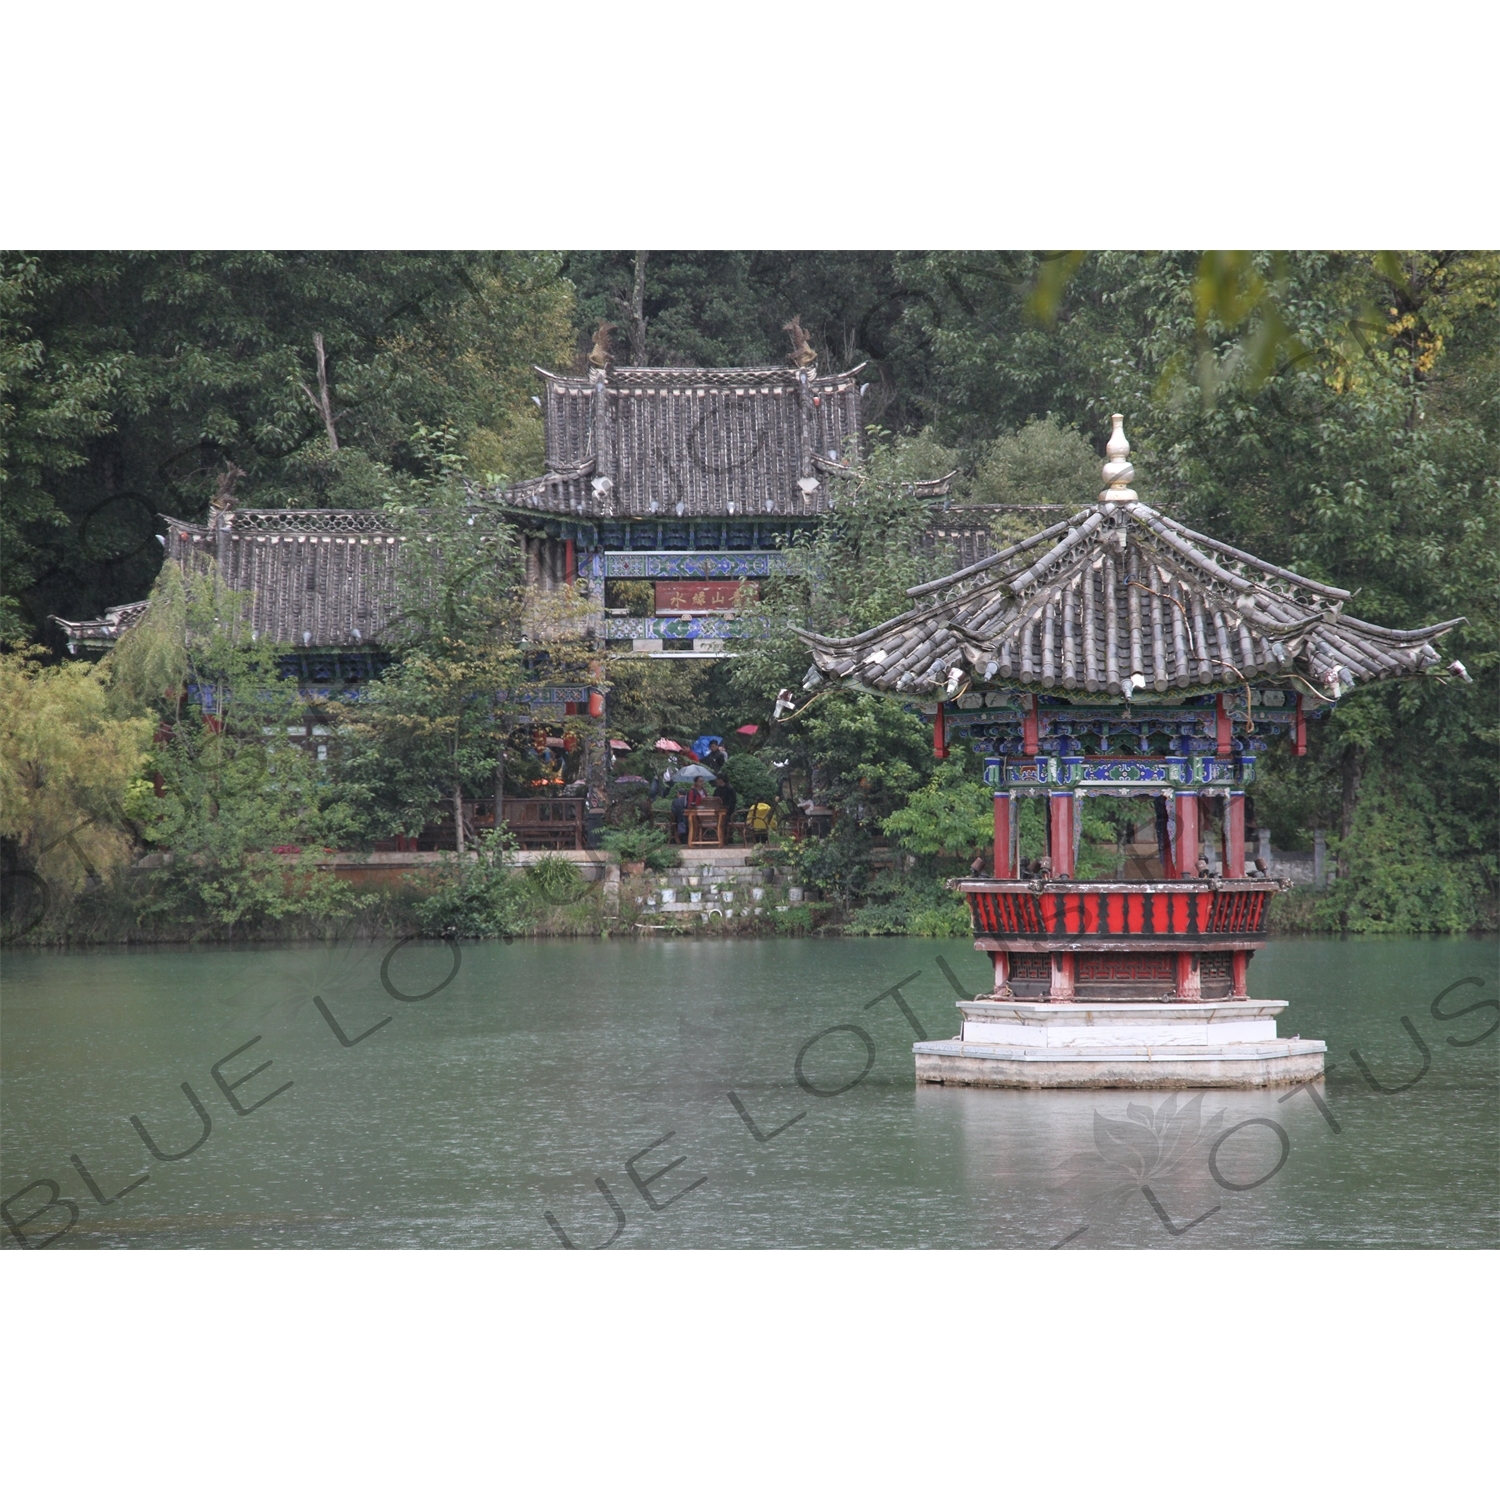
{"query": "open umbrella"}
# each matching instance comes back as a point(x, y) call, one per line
point(618, 745)
point(693, 773)
point(631, 781)
point(668, 745)
point(748, 729)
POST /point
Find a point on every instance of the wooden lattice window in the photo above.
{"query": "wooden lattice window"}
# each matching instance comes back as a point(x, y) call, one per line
point(1152, 967)
point(1031, 966)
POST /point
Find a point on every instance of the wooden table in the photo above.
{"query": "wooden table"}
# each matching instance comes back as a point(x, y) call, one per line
point(706, 827)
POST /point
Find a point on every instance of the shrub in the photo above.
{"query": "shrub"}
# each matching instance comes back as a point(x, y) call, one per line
point(479, 897)
point(555, 882)
point(751, 781)
point(910, 905)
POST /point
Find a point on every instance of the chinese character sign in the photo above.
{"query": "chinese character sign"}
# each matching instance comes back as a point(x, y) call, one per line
point(687, 595)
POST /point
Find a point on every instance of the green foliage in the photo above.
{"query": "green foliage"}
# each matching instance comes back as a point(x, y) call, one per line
point(1402, 865)
point(728, 307)
point(854, 569)
point(642, 843)
point(795, 921)
point(1046, 462)
point(555, 882)
point(479, 896)
point(235, 785)
point(836, 866)
point(649, 700)
point(751, 781)
point(66, 767)
point(54, 402)
point(429, 731)
point(952, 814)
point(910, 905)
point(150, 664)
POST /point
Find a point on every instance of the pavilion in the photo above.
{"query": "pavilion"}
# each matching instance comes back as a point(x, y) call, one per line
point(1120, 653)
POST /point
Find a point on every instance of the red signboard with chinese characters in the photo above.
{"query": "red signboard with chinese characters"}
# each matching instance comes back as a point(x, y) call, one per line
point(689, 594)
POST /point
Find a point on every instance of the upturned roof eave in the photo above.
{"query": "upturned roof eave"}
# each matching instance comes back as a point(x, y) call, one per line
point(1124, 594)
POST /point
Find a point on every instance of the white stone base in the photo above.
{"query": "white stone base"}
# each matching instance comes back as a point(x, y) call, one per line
point(1093, 1044)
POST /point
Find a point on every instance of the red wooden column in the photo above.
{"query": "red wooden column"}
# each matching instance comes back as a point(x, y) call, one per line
point(1061, 809)
point(1063, 972)
point(1187, 835)
point(1234, 835)
point(1002, 971)
point(1189, 977)
point(940, 734)
point(1222, 728)
point(1239, 962)
point(1031, 729)
point(1002, 836)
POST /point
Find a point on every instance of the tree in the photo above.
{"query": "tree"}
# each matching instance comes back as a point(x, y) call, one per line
point(129, 381)
point(727, 307)
point(853, 572)
point(232, 789)
point(433, 728)
point(66, 767)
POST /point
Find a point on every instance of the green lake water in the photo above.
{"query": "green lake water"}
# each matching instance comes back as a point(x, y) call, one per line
point(541, 1070)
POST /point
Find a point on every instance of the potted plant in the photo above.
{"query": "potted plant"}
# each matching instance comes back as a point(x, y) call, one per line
point(639, 847)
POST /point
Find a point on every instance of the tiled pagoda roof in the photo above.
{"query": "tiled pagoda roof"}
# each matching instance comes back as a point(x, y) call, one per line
point(1121, 599)
point(107, 629)
point(315, 577)
point(636, 442)
point(624, 444)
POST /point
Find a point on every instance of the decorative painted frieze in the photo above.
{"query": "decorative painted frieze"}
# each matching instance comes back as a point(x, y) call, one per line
point(668, 628)
point(697, 564)
point(1156, 774)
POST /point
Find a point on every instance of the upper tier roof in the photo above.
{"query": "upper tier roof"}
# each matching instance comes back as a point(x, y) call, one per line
point(1119, 599)
point(639, 442)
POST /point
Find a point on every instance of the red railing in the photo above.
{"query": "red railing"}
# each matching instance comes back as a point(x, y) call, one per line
point(1184, 908)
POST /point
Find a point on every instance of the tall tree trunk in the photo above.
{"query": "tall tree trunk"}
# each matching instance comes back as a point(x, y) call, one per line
point(458, 815)
point(323, 401)
point(1352, 770)
point(638, 310)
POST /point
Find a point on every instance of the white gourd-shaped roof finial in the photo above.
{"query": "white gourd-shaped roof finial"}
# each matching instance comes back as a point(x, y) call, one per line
point(1119, 471)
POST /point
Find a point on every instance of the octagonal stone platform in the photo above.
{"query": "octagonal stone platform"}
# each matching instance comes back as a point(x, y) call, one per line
point(1093, 1044)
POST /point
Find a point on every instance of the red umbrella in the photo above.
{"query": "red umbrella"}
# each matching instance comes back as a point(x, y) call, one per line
point(668, 745)
point(618, 745)
point(748, 729)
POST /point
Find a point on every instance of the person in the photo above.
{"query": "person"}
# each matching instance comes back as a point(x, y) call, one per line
point(758, 819)
point(679, 817)
point(726, 795)
point(716, 759)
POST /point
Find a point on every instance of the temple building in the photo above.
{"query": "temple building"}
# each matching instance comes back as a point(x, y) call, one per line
point(690, 481)
point(1120, 653)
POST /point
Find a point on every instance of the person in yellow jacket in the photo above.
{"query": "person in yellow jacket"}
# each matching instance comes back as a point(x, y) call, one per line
point(759, 819)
